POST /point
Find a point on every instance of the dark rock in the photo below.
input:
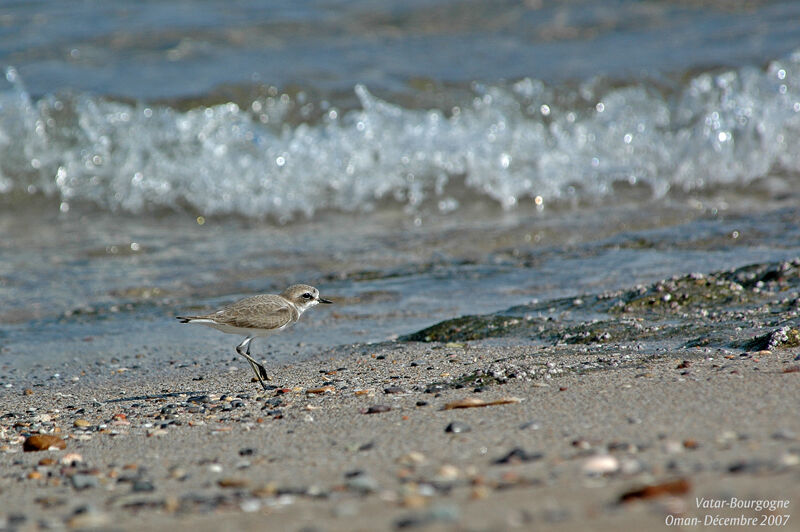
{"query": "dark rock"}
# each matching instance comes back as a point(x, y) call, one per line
point(273, 402)
point(779, 338)
point(377, 409)
point(143, 486)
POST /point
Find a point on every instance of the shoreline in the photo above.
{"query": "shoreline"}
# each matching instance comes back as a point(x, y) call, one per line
point(219, 452)
point(615, 409)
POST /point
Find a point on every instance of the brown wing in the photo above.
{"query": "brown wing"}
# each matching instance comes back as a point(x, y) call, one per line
point(257, 312)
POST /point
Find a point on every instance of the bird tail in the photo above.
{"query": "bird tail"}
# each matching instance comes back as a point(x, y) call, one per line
point(184, 319)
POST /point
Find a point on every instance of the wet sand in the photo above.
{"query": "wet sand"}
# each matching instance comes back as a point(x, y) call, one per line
point(360, 441)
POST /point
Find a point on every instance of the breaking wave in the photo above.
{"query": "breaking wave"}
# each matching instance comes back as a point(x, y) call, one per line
point(517, 143)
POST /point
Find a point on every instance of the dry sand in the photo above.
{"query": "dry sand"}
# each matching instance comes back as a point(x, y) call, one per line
point(590, 425)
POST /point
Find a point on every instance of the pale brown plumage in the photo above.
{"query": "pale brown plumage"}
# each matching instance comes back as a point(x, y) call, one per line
point(267, 312)
point(260, 316)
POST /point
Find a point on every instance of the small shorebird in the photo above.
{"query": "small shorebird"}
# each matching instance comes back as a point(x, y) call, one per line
point(260, 316)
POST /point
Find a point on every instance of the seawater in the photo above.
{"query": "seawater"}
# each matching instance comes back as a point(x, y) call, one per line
point(526, 142)
point(415, 160)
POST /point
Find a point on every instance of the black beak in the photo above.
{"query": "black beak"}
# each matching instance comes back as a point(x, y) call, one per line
point(325, 301)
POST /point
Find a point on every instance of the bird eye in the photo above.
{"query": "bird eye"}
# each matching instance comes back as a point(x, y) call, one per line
point(307, 296)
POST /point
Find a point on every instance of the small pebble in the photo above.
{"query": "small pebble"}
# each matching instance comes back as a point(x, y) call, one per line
point(233, 482)
point(43, 442)
point(447, 472)
point(680, 486)
point(630, 466)
point(412, 458)
point(250, 505)
point(456, 427)
point(362, 483)
point(321, 390)
point(178, 473)
point(601, 464)
point(672, 447)
point(71, 459)
point(377, 409)
point(440, 513)
point(81, 481)
point(784, 434)
point(518, 455)
point(87, 517)
point(200, 399)
point(143, 486)
point(749, 466)
point(345, 509)
point(393, 389)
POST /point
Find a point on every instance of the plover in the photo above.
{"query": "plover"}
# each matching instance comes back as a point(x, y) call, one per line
point(261, 315)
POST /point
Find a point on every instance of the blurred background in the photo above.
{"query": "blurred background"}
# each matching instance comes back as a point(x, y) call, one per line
point(415, 159)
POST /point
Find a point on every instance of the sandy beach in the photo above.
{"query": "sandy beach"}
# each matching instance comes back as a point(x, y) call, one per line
point(372, 439)
point(652, 406)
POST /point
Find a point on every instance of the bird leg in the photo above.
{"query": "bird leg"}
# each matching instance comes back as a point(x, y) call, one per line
point(258, 369)
point(252, 366)
point(263, 372)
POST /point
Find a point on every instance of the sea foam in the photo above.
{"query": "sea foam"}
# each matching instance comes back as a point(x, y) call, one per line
point(512, 143)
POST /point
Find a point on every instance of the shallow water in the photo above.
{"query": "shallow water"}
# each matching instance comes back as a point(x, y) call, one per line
point(414, 160)
point(110, 294)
